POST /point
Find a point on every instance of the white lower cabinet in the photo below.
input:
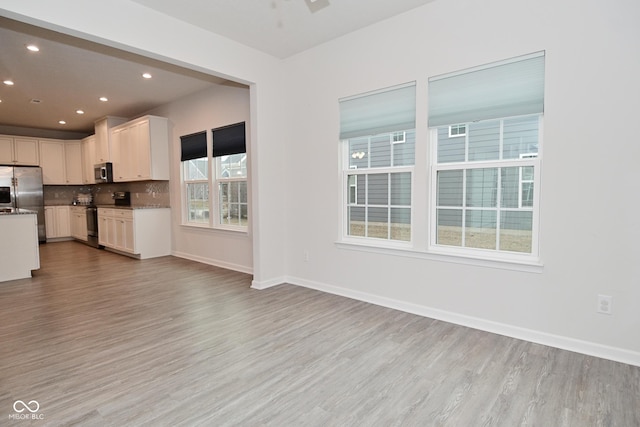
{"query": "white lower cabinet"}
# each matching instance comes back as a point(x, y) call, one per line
point(78, 218)
point(57, 222)
point(143, 233)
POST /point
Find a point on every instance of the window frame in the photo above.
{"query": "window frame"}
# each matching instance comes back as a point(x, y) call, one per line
point(348, 170)
point(523, 161)
point(186, 220)
point(218, 180)
point(458, 134)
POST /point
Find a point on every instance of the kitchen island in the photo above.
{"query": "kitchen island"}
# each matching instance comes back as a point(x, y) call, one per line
point(19, 251)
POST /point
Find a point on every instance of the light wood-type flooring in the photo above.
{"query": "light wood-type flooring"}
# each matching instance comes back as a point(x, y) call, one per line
point(98, 339)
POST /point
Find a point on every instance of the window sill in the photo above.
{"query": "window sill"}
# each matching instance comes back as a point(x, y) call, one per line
point(234, 230)
point(529, 266)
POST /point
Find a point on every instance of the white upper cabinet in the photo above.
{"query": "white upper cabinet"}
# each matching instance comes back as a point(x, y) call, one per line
point(103, 138)
point(52, 162)
point(88, 159)
point(73, 162)
point(61, 162)
point(141, 150)
point(19, 151)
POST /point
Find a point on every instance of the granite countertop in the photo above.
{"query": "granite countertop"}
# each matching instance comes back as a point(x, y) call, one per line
point(134, 207)
point(16, 211)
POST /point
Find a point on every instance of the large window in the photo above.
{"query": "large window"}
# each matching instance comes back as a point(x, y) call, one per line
point(485, 160)
point(378, 134)
point(224, 169)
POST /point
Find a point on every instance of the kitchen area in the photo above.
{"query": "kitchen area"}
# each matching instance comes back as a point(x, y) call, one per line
point(109, 191)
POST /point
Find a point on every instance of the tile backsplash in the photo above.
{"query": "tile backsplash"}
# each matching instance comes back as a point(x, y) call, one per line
point(143, 193)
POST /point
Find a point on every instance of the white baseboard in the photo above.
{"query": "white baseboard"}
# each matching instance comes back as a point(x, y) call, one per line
point(214, 262)
point(551, 340)
point(268, 283)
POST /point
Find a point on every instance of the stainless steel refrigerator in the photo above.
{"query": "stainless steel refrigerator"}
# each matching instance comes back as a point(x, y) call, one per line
point(21, 187)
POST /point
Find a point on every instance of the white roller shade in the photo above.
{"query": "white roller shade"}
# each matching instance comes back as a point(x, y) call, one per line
point(387, 110)
point(507, 88)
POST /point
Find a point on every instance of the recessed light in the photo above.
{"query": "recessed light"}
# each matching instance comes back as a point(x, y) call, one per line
point(33, 48)
point(146, 75)
point(8, 82)
point(104, 99)
point(79, 111)
point(62, 122)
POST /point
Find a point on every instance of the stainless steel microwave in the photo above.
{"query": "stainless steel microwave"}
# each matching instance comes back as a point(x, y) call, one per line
point(103, 172)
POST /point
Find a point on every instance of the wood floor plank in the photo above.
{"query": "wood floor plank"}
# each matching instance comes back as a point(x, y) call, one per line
point(99, 339)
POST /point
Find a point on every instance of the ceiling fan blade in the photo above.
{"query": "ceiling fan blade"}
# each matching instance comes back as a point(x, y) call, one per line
point(316, 5)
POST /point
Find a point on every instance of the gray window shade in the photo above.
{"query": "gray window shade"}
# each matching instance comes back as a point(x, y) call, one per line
point(193, 146)
point(507, 88)
point(229, 140)
point(387, 110)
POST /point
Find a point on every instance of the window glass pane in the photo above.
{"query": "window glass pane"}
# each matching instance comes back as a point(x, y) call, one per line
point(449, 188)
point(401, 189)
point(242, 189)
point(378, 223)
point(196, 169)
point(358, 153)
point(361, 193)
point(380, 151)
point(484, 140)
point(480, 229)
point(510, 187)
point(449, 149)
point(224, 202)
point(404, 153)
point(527, 194)
point(449, 230)
point(378, 189)
point(515, 231)
point(234, 195)
point(232, 166)
point(352, 189)
point(520, 137)
point(198, 202)
point(356, 221)
point(482, 187)
point(401, 224)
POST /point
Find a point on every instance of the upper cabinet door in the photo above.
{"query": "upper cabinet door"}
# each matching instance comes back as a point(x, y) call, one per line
point(19, 151)
point(26, 151)
point(53, 162)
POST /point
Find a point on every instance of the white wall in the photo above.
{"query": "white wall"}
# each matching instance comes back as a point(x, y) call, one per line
point(589, 232)
point(203, 111)
point(589, 229)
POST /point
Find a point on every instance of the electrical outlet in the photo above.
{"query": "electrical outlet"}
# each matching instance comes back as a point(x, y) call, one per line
point(605, 304)
point(306, 256)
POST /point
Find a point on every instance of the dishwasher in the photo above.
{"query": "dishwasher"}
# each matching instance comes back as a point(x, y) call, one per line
point(92, 226)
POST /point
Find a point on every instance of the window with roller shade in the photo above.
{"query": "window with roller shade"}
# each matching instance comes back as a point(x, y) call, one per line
point(377, 130)
point(222, 168)
point(486, 134)
point(230, 154)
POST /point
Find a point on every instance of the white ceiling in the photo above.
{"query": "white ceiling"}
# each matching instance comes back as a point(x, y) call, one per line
point(282, 27)
point(69, 74)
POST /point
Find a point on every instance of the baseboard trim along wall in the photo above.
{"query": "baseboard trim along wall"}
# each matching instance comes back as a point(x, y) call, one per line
point(214, 262)
point(561, 342)
point(268, 284)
